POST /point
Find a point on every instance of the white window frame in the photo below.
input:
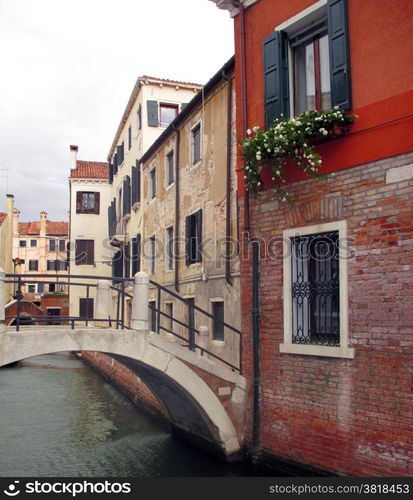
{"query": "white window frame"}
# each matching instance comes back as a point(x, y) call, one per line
point(212, 301)
point(153, 195)
point(167, 268)
point(288, 347)
point(198, 162)
point(167, 183)
point(303, 20)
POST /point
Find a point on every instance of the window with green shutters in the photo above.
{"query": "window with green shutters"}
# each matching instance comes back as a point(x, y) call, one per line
point(316, 56)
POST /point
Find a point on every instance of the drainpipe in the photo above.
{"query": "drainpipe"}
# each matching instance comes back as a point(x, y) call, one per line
point(228, 277)
point(256, 342)
point(177, 210)
point(244, 117)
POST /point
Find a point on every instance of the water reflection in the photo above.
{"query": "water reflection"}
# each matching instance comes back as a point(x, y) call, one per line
point(59, 418)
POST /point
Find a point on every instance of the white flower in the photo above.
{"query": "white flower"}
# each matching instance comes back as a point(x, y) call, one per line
point(249, 131)
point(269, 150)
point(323, 131)
point(258, 183)
point(256, 128)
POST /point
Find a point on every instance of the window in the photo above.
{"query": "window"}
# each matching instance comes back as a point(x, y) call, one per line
point(129, 137)
point(62, 245)
point(218, 320)
point(22, 243)
point(52, 245)
point(85, 252)
point(193, 234)
point(169, 311)
point(57, 265)
point(120, 152)
point(136, 183)
point(311, 71)
point(139, 118)
point(86, 308)
point(152, 182)
point(33, 243)
point(315, 291)
point(153, 316)
point(40, 287)
point(191, 322)
point(136, 254)
point(87, 202)
point(196, 144)
point(33, 265)
point(170, 168)
point(31, 288)
point(307, 63)
point(152, 254)
point(167, 113)
point(169, 247)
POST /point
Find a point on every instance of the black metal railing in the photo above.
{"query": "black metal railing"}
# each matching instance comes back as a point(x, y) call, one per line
point(120, 320)
point(189, 340)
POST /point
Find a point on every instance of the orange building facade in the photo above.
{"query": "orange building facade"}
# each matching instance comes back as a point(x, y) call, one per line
point(330, 351)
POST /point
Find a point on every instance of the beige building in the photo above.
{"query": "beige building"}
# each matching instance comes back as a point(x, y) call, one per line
point(40, 247)
point(152, 106)
point(6, 242)
point(90, 253)
point(188, 242)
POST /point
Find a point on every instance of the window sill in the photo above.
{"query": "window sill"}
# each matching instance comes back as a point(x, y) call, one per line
point(318, 350)
point(169, 186)
point(196, 164)
point(337, 132)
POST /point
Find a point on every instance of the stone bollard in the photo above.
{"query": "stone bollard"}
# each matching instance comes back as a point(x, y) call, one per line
point(140, 308)
point(102, 303)
point(202, 340)
point(2, 300)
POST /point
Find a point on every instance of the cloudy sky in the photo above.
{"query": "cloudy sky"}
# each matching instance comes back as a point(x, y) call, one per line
point(68, 68)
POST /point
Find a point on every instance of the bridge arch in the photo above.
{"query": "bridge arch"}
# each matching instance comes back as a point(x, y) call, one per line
point(190, 403)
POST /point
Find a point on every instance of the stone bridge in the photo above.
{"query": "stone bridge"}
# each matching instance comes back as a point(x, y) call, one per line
point(201, 397)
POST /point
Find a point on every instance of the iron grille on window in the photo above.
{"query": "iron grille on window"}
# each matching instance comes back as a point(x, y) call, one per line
point(315, 289)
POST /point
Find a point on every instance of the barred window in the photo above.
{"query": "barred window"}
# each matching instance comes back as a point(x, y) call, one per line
point(315, 277)
point(315, 289)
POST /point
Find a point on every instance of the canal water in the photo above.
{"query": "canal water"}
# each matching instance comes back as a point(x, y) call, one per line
point(59, 418)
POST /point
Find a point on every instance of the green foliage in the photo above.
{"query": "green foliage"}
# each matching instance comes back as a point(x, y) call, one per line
point(288, 138)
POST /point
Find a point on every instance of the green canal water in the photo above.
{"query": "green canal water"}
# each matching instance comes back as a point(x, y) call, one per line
point(59, 418)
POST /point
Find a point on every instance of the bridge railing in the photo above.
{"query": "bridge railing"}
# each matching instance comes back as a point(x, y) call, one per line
point(144, 314)
point(117, 321)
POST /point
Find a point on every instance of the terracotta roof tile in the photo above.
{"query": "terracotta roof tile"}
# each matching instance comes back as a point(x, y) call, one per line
point(90, 170)
point(60, 228)
point(33, 228)
point(3, 215)
point(166, 80)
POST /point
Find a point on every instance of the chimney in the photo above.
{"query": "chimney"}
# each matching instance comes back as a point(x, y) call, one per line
point(16, 216)
point(43, 223)
point(73, 154)
point(9, 205)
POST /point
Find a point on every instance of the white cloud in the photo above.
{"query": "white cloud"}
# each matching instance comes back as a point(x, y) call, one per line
point(68, 68)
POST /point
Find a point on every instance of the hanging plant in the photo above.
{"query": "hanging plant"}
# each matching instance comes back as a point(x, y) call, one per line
point(292, 138)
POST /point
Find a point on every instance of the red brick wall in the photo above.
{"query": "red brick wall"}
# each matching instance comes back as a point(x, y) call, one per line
point(349, 415)
point(125, 380)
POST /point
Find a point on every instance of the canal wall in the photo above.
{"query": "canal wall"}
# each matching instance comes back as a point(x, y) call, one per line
point(126, 381)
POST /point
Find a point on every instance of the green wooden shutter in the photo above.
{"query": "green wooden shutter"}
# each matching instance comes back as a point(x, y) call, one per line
point(188, 240)
point(152, 107)
point(339, 54)
point(198, 218)
point(276, 87)
point(134, 175)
